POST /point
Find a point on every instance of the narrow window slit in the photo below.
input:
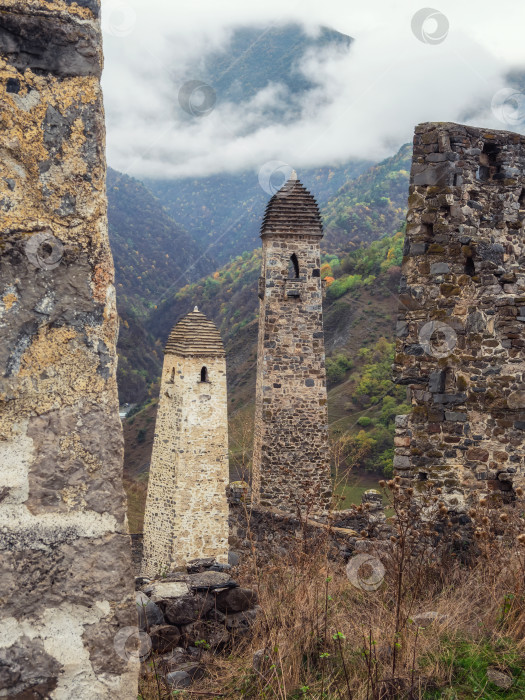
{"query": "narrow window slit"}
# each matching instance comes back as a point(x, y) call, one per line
point(470, 268)
point(293, 271)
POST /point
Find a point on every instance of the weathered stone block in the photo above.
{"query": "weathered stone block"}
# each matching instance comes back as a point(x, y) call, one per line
point(236, 600)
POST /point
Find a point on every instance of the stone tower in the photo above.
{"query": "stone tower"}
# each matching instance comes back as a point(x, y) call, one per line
point(291, 465)
point(460, 347)
point(68, 603)
point(186, 508)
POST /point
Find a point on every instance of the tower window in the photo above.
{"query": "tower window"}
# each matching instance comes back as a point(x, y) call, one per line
point(171, 379)
point(204, 374)
point(293, 271)
point(488, 162)
point(470, 268)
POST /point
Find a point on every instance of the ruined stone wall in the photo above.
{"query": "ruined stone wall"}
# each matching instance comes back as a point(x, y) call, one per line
point(187, 510)
point(64, 550)
point(462, 314)
point(291, 457)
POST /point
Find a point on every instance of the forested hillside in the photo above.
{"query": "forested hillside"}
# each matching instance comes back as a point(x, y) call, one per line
point(369, 206)
point(224, 212)
point(152, 254)
point(359, 317)
point(152, 249)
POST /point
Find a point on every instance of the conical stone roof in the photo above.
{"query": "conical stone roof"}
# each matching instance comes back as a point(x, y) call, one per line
point(292, 210)
point(195, 335)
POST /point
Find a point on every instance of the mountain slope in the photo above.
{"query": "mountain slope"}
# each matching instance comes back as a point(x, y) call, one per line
point(224, 212)
point(362, 399)
point(371, 206)
point(152, 253)
point(258, 56)
point(227, 294)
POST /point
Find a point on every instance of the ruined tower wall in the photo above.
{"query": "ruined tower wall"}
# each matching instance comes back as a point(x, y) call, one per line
point(291, 457)
point(462, 313)
point(67, 586)
point(187, 510)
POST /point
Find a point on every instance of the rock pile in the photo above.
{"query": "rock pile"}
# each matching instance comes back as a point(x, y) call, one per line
point(197, 608)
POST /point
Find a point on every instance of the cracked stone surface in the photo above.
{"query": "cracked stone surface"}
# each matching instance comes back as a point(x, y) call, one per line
point(64, 548)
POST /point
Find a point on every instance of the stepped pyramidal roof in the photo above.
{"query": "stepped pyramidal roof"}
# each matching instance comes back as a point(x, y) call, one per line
point(292, 210)
point(195, 335)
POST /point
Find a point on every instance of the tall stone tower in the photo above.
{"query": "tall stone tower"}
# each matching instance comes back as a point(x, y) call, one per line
point(67, 584)
point(186, 508)
point(291, 466)
point(460, 347)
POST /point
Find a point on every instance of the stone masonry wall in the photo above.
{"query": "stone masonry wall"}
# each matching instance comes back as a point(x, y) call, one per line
point(187, 510)
point(65, 561)
point(462, 314)
point(291, 457)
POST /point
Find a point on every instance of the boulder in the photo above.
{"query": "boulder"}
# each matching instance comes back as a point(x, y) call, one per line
point(213, 632)
point(177, 657)
point(241, 621)
point(197, 566)
point(149, 614)
point(234, 600)
point(187, 608)
point(178, 679)
point(234, 558)
point(498, 678)
point(164, 638)
point(204, 581)
point(171, 589)
point(260, 656)
point(210, 580)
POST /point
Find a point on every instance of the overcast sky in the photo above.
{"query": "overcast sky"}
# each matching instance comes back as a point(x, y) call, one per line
point(365, 103)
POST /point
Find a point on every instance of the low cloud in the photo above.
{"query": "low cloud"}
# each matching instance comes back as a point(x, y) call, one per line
point(364, 103)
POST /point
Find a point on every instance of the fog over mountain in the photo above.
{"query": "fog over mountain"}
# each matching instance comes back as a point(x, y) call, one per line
point(357, 100)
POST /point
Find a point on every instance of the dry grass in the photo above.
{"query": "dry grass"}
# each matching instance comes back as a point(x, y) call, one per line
point(322, 637)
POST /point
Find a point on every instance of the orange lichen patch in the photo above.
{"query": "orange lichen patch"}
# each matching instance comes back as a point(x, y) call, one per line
point(75, 89)
point(49, 348)
point(103, 277)
point(72, 445)
point(54, 6)
point(9, 300)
